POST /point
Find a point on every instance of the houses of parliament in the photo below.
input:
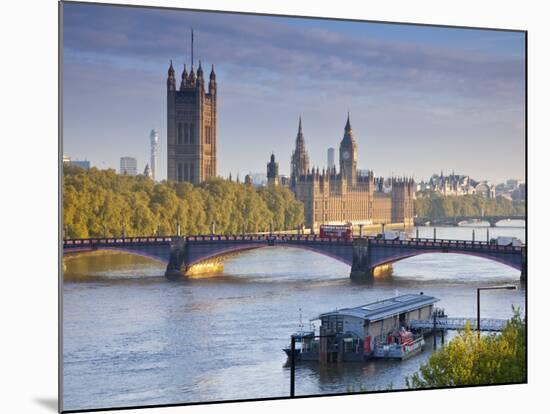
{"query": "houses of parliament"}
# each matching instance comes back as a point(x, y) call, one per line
point(191, 125)
point(328, 195)
point(347, 195)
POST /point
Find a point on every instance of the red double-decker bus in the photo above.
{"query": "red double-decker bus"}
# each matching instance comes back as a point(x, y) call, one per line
point(339, 231)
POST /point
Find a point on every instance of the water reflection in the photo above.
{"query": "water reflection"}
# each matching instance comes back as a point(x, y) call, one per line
point(131, 337)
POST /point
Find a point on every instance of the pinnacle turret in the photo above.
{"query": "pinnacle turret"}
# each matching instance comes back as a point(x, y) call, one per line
point(199, 71)
point(171, 81)
point(348, 133)
point(184, 77)
point(192, 76)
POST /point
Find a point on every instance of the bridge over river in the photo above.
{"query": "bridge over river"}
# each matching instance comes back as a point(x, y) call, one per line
point(362, 254)
point(459, 220)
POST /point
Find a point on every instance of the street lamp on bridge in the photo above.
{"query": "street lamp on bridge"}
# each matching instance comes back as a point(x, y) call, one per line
point(505, 287)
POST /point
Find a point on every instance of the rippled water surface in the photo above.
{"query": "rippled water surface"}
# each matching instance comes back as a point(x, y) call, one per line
point(131, 337)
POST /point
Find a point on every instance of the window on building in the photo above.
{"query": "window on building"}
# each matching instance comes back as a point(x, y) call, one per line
point(180, 172)
point(180, 134)
point(191, 133)
point(208, 135)
point(186, 133)
point(191, 172)
point(186, 172)
point(333, 323)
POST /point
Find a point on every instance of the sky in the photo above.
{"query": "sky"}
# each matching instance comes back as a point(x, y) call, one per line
point(421, 99)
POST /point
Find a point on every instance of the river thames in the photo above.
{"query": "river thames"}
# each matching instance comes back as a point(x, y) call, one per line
point(131, 337)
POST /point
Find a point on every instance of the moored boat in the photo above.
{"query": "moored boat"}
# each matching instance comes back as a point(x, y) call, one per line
point(375, 330)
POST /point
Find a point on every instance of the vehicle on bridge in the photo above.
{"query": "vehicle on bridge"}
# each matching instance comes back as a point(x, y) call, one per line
point(338, 231)
point(392, 235)
point(506, 241)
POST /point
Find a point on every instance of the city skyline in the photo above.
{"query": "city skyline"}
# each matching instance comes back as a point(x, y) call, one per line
point(454, 100)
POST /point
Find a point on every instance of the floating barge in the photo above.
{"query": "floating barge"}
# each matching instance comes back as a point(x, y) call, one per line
point(375, 330)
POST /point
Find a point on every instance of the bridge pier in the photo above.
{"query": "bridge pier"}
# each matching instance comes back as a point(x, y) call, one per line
point(177, 257)
point(360, 268)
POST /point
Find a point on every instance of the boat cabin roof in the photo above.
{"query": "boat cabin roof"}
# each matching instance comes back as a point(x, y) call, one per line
point(383, 309)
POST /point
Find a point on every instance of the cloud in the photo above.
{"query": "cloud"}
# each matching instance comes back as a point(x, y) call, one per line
point(246, 46)
point(402, 93)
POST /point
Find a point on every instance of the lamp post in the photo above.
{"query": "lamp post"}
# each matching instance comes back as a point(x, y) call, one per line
point(505, 287)
point(292, 365)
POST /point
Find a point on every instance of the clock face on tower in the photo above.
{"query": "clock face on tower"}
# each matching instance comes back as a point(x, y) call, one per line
point(345, 155)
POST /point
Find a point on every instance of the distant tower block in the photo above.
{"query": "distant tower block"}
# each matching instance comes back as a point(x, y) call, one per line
point(330, 159)
point(272, 171)
point(154, 136)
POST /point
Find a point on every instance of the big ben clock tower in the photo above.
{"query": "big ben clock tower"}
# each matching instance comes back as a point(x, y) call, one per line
point(348, 156)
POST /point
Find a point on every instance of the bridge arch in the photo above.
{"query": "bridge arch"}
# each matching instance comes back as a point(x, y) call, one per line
point(135, 252)
point(234, 250)
point(402, 256)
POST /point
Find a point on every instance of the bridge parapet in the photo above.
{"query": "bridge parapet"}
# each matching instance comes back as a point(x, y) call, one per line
point(448, 243)
point(114, 241)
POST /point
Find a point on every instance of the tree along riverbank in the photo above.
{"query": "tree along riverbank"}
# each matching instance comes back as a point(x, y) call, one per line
point(471, 359)
point(99, 203)
point(434, 205)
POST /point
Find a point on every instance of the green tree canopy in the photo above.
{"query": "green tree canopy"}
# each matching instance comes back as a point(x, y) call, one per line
point(470, 359)
point(434, 205)
point(102, 203)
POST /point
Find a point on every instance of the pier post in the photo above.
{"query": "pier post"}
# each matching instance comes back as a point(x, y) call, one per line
point(434, 233)
point(523, 276)
point(292, 364)
point(435, 333)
